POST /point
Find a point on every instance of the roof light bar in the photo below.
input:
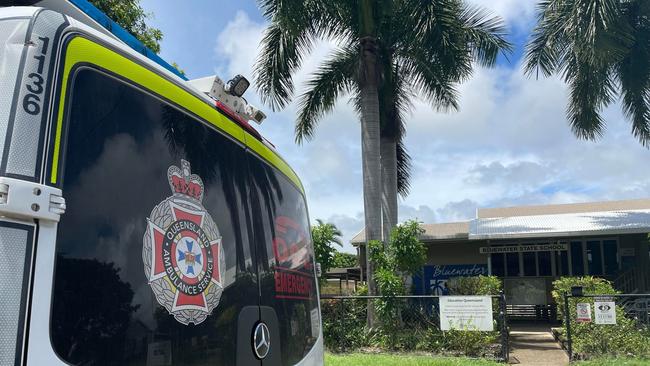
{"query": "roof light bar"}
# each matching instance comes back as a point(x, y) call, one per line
point(126, 37)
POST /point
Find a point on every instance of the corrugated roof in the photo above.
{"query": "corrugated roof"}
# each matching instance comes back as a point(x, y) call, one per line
point(442, 231)
point(640, 204)
point(591, 218)
point(561, 225)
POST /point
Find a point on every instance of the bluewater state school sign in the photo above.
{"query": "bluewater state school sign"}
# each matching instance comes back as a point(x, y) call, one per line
point(436, 276)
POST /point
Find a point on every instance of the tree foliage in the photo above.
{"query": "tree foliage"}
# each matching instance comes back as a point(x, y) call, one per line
point(424, 49)
point(132, 17)
point(344, 260)
point(325, 236)
point(602, 50)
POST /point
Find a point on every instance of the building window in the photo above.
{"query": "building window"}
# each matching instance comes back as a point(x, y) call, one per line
point(577, 263)
point(530, 264)
point(610, 251)
point(544, 263)
point(512, 264)
point(594, 257)
point(498, 264)
point(562, 263)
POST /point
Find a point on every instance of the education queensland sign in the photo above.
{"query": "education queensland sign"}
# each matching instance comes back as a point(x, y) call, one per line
point(435, 277)
point(472, 313)
point(524, 248)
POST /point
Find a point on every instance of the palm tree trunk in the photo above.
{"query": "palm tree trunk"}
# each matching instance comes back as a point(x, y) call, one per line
point(389, 185)
point(370, 140)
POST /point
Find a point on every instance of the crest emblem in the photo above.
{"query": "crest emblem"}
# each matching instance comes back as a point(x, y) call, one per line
point(182, 251)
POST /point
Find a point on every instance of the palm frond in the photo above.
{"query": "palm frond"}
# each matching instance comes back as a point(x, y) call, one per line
point(590, 90)
point(430, 79)
point(403, 168)
point(486, 35)
point(280, 57)
point(633, 72)
point(543, 51)
point(333, 77)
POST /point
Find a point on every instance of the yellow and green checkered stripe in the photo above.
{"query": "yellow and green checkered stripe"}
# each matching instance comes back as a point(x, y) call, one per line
point(84, 51)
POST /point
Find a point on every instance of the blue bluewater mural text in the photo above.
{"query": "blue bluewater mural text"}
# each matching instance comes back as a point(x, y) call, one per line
point(436, 276)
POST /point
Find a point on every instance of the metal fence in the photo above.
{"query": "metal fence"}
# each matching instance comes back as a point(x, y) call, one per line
point(577, 308)
point(417, 314)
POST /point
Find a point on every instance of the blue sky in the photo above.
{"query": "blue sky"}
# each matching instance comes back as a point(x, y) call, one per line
point(509, 144)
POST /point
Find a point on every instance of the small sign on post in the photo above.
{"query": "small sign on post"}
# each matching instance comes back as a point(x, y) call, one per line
point(605, 311)
point(466, 313)
point(583, 312)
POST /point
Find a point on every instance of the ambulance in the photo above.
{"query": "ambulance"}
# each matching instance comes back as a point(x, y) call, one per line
point(143, 220)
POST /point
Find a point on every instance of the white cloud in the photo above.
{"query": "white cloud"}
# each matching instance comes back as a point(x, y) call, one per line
point(509, 144)
point(517, 13)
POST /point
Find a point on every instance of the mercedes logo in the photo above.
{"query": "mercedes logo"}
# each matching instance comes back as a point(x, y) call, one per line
point(261, 340)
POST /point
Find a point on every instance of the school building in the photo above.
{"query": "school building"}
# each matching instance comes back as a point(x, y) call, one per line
point(530, 246)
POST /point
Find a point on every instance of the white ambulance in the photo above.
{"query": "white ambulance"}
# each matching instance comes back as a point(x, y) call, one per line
point(143, 221)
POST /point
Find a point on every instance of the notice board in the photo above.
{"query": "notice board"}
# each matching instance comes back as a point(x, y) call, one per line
point(472, 313)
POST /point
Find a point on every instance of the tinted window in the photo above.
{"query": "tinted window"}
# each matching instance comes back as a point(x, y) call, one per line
point(594, 258)
point(153, 256)
point(611, 256)
point(498, 264)
point(562, 263)
point(530, 265)
point(577, 264)
point(512, 264)
point(544, 263)
point(286, 260)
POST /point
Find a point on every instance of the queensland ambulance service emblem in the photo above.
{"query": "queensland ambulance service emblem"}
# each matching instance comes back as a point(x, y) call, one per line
point(182, 251)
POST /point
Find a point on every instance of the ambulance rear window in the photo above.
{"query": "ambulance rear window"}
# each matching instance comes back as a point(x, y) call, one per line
point(154, 261)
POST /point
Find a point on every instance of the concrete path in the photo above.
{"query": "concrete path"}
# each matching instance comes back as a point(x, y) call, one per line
point(535, 345)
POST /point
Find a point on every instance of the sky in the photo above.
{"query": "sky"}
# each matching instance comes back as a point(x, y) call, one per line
point(508, 144)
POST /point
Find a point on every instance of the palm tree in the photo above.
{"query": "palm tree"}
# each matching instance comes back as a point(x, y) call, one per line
point(601, 48)
point(324, 235)
point(389, 51)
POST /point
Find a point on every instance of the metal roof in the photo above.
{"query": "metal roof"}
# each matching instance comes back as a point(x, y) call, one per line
point(568, 208)
point(564, 220)
point(561, 225)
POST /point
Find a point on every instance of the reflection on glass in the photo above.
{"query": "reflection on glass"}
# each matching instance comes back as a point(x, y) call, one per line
point(120, 143)
point(287, 263)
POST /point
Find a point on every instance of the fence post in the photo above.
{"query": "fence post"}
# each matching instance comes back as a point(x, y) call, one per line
point(505, 351)
point(567, 323)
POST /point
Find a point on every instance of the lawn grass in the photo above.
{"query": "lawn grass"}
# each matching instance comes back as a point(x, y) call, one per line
point(614, 362)
point(358, 359)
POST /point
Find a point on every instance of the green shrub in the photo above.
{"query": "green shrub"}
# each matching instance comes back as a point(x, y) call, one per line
point(477, 285)
point(597, 340)
point(344, 323)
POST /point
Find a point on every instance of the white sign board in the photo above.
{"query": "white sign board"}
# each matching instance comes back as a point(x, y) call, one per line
point(605, 312)
point(584, 312)
point(466, 313)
